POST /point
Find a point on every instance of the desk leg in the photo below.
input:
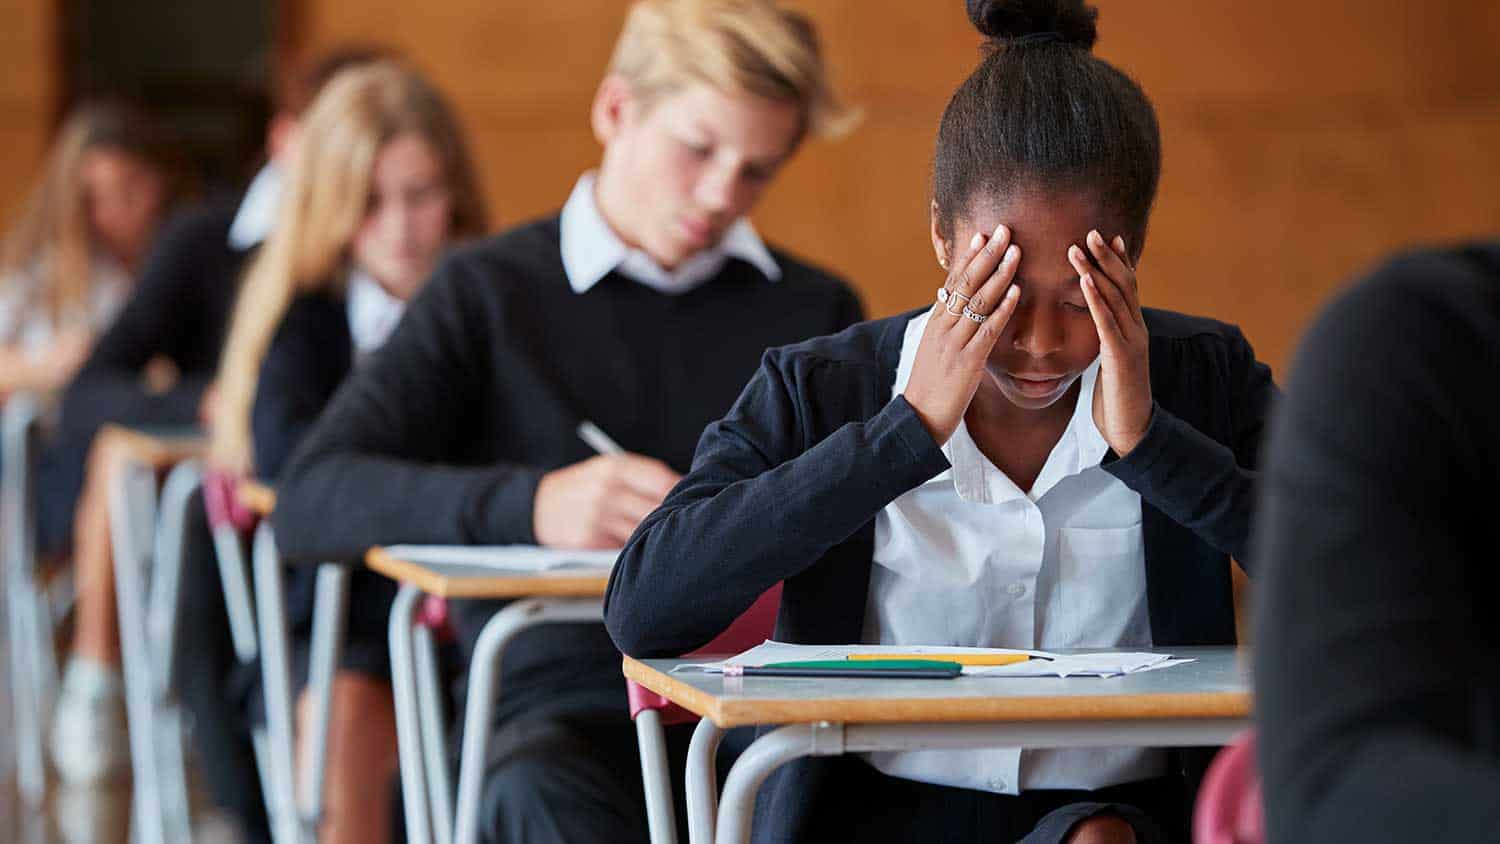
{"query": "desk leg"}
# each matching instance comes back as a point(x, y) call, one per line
point(763, 756)
point(408, 720)
point(132, 506)
point(656, 777)
point(484, 686)
point(330, 611)
point(434, 737)
point(782, 745)
point(276, 678)
point(702, 785)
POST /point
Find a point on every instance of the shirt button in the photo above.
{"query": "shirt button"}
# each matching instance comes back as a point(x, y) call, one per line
point(1016, 590)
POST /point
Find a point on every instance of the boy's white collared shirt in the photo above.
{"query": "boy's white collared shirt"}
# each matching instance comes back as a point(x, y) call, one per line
point(968, 558)
point(591, 250)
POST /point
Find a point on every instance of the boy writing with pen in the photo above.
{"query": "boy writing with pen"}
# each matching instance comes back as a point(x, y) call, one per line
point(642, 308)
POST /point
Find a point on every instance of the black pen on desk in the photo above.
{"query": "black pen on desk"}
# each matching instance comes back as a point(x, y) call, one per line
point(597, 439)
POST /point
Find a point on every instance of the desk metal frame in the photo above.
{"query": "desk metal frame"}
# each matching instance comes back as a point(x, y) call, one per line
point(727, 818)
point(426, 783)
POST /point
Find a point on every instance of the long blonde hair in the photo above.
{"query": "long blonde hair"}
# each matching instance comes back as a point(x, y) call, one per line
point(52, 235)
point(326, 196)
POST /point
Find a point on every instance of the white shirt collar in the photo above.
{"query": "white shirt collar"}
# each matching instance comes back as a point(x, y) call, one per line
point(1080, 447)
point(591, 250)
point(257, 211)
point(373, 312)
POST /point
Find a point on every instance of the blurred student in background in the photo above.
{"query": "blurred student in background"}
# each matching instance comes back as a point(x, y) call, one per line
point(1377, 683)
point(178, 314)
point(380, 184)
point(642, 307)
point(69, 262)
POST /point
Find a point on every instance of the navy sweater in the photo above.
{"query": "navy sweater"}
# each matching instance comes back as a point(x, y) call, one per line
point(1377, 682)
point(443, 433)
point(787, 487)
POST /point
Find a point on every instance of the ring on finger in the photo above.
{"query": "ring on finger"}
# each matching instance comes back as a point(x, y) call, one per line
point(976, 317)
point(950, 300)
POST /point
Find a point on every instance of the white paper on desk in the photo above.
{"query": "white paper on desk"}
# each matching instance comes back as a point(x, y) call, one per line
point(1046, 663)
point(532, 558)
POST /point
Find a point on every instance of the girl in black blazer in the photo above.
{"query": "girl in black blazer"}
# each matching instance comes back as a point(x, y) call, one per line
point(379, 185)
point(828, 473)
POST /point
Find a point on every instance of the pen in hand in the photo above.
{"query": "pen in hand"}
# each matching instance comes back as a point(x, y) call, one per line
point(597, 439)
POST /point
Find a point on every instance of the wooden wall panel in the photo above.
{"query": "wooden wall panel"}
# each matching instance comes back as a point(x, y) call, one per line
point(27, 88)
point(1302, 141)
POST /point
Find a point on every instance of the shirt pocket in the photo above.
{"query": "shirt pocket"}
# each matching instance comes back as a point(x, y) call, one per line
point(1101, 589)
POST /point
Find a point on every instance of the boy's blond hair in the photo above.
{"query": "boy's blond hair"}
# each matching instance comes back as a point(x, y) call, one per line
point(738, 46)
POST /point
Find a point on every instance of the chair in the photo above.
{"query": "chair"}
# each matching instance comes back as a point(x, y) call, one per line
point(259, 626)
point(32, 656)
point(147, 537)
point(1229, 809)
point(652, 713)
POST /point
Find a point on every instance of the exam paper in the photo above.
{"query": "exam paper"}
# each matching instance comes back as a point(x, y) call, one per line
point(527, 558)
point(1042, 664)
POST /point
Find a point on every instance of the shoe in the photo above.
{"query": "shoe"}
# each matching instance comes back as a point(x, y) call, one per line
point(92, 814)
point(89, 742)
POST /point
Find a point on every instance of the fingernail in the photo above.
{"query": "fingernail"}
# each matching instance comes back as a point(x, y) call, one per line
point(1120, 243)
point(1075, 252)
point(1011, 252)
point(977, 242)
point(1001, 231)
point(1013, 293)
point(1096, 238)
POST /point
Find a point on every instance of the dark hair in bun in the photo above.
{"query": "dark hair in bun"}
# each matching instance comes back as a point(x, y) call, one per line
point(1069, 21)
point(1042, 113)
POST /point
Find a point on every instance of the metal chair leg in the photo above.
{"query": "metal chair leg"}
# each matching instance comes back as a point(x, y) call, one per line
point(330, 611)
point(656, 777)
point(276, 678)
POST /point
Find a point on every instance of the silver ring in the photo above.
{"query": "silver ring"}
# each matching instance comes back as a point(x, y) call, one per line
point(950, 300)
point(973, 316)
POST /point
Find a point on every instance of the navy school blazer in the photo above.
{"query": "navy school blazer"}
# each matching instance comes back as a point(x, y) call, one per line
point(786, 488)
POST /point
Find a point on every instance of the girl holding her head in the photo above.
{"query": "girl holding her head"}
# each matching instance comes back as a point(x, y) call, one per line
point(69, 262)
point(380, 185)
point(1036, 460)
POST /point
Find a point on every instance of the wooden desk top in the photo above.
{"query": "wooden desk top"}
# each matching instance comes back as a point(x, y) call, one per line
point(257, 497)
point(156, 450)
point(455, 580)
point(1217, 685)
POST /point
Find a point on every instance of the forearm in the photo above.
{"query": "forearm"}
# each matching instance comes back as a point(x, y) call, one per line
point(728, 533)
point(20, 372)
point(1194, 479)
point(96, 398)
point(337, 506)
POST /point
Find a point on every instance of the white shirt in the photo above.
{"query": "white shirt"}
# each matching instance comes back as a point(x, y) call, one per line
point(257, 212)
point(591, 250)
point(27, 322)
point(373, 313)
point(969, 559)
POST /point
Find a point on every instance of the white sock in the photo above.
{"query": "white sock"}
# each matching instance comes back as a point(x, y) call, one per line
point(92, 679)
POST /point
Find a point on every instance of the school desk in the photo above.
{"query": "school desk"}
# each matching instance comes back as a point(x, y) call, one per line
point(536, 598)
point(1204, 702)
point(146, 535)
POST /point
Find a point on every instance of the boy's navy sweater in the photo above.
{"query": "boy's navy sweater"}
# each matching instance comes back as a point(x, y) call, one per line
point(443, 433)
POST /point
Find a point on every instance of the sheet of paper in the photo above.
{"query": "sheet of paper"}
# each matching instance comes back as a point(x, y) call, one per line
point(1043, 664)
point(505, 557)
